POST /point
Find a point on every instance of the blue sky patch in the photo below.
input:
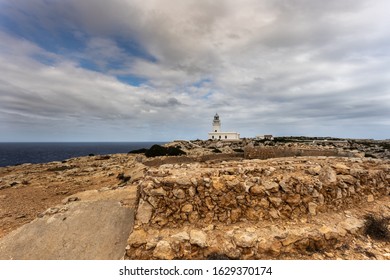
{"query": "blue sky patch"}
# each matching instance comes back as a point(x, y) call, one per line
point(132, 80)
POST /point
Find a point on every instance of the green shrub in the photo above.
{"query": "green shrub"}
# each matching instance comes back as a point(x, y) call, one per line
point(158, 151)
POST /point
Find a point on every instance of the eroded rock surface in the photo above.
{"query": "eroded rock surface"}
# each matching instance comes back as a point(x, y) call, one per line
point(90, 230)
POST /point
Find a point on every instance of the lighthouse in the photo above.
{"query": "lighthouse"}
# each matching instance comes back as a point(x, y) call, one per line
point(217, 134)
point(216, 124)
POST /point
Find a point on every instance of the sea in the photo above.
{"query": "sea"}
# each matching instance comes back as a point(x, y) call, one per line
point(19, 153)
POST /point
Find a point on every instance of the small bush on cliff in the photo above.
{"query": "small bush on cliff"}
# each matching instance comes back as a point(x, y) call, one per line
point(123, 178)
point(377, 228)
point(175, 151)
point(158, 151)
point(139, 151)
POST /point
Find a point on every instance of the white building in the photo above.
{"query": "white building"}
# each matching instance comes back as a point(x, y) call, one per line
point(217, 134)
point(264, 137)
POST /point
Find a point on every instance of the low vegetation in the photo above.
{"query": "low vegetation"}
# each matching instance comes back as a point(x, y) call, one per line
point(158, 151)
point(377, 228)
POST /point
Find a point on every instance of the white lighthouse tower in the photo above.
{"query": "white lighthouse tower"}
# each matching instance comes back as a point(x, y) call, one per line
point(216, 124)
point(217, 134)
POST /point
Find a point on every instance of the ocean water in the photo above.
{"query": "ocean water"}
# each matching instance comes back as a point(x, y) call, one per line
point(19, 153)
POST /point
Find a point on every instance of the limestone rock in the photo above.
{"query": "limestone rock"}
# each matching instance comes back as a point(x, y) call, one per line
point(163, 251)
point(312, 208)
point(181, 236)
point(198, 237)
point(187, 208)
point(290, 239)
point(285, 185)
point(271, 186)
point(137, 238)
point(144, 212)
point(348, 179)
point(294, 200)
point(245, 239)
point(276, 201)
point(183, 181)
point(314, 170)
point(193, 217)
point(352, 224)
point(158, 192)
point(179, 193)
point(257, 190)
point(191, 191)
point(274, 213)
point(194, 182)
point(270, 246)
point(151, 242)
point(235, 215)
point(328, 175)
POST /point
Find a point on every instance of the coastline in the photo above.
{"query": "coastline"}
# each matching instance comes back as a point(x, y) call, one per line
point(42, 190)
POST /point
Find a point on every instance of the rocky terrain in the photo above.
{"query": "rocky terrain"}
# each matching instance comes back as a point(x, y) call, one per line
point(214, 202)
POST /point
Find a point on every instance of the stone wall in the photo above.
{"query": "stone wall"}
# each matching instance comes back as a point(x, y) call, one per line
point(275, 152)
point(231, 192)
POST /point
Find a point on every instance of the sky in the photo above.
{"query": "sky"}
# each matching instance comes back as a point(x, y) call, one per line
point(152, 70)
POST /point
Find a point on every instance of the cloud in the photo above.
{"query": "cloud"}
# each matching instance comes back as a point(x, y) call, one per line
point(260, 64)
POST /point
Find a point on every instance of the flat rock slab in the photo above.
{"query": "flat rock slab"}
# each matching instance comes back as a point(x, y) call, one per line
point(91, 230)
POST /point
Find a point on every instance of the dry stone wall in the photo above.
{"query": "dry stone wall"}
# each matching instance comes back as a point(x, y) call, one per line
point(275, 152)
point(255, 190)
point(253, 209)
